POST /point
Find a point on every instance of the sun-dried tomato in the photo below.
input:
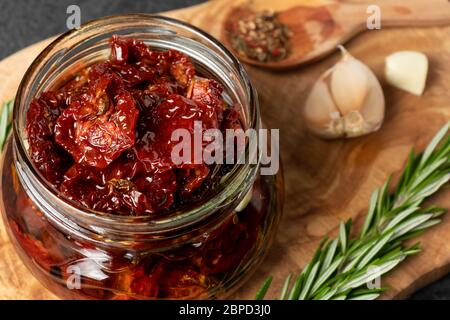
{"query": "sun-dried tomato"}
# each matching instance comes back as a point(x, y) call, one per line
point(41, 117)
point(135, 74)
point(229, 247)
point(207, 92)
point(105, 138)
point(119, 50)
point(163, 87)
point(159, 189)
point(154, 144)
point(33, 247)
point(191, 179)
point(139, 51)
point(231, 118)
point(40, 123)
point(48, 160)
point(145, 284)
point(181, 280)
point(118, 196)
point(79, 182)
point(139, 282)
point(96, 130)
point(181, 67)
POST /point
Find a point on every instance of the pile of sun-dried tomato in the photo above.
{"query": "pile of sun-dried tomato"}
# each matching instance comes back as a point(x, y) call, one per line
point(104, 138)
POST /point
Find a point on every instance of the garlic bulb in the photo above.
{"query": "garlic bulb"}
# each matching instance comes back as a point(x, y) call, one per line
point(346, 101)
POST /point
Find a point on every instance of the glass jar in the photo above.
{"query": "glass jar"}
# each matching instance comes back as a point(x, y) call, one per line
point(205, 250)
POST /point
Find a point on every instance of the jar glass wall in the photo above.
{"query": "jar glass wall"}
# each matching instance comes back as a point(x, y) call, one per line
point(205, 250)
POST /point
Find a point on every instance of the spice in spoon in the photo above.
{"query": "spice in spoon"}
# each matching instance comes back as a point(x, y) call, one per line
point(259, 36)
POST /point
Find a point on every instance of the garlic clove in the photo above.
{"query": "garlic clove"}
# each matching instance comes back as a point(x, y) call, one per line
point(320, 112)
point(374, 106)
point(349, 76)
point(407, 70)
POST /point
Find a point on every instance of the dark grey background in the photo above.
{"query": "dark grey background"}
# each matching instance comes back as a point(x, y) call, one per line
point(24, 22)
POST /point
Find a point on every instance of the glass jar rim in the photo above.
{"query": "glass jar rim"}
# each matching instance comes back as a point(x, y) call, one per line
point(240, 174)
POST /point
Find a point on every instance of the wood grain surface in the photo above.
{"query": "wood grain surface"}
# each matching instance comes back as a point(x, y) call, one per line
point(326, 181)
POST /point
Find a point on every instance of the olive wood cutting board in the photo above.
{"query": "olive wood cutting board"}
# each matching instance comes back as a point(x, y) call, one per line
point(325, 181)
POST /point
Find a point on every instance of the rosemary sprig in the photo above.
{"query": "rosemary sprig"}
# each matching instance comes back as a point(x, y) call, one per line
point(5, 122)
point(343, 267)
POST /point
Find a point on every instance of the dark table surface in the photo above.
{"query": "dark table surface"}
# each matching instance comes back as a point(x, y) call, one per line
point(24, 22)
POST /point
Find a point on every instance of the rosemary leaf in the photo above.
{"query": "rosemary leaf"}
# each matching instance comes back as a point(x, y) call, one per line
point(343, 236)
point(374, 250)
point(284, 291)
point(367, 276)
point(433, 144)
point(5, 122)
point(330, 253)
point(262, 292)
point(367, 296)
point(327, 274)
point(295, 291)
point(309, 281)
point(370, 214)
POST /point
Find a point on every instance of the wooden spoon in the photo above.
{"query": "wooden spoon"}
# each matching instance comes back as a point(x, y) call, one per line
point(318, 26)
